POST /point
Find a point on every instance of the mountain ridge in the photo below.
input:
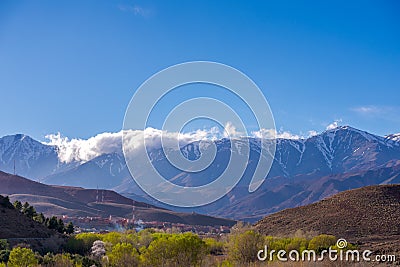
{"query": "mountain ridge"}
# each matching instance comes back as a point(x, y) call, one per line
point(325, 159)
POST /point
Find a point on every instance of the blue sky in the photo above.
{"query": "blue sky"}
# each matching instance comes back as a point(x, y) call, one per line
point(72, 66)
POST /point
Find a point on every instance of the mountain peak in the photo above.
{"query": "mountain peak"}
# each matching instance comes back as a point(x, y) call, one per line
point(17, 138)
point(345, 128)
point(393, 137)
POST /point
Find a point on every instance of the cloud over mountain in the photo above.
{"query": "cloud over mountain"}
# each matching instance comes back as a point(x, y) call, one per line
point(83, 150)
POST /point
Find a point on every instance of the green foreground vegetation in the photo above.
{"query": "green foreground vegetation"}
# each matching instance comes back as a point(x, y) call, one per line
point(150, 247)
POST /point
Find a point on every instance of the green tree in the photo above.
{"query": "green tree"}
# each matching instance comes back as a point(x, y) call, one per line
point(22, 257)
point(40, 218)
point(191, 249)
point(69, 229)
point(297, 243)
point(5, 202)
point(75, 245)
point(145, 237)
point(4, 244)
point(243, 247)
point(113, 238)
point(123, 255)
point(214, 247)
point(63, 260)
point(28, 210)
point(4, 255)
point(321, 242)
point(82, 243)
point(60, 226)
point(25, 206)
point(17, 205)
point(174, 250)
point(48, 259)
point(52, 223)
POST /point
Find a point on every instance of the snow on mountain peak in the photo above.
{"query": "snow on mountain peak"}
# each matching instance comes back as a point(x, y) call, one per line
point(393, 137)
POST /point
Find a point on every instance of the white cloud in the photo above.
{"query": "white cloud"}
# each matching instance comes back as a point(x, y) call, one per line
point(271, 133)
point(136, 10)
point(230, 131)
point(334, 124)
point(82, 150)
point(377, 111)
point(312, 133)
point(366, 110)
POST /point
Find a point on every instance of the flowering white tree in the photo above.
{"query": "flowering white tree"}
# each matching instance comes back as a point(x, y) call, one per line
point(98, 249)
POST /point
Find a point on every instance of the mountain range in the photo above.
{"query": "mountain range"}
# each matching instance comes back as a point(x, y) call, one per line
point(303, 170)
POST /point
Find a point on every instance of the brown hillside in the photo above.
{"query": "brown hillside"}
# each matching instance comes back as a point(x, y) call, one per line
point(18, 228)
point(77, 201)
point(14, 224)
point(366, 215)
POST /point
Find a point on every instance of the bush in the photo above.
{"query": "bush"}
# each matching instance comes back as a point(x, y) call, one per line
point(298, 244)
point(214, 247)
point(63, 260)
point(4, 244)
point(322, 242)
point(82, 243)
point(75, 245)
point(243, 247)
point(174, 250)
point(145, 237)
point(22, 257)
point(123, 255)
point(4, 255)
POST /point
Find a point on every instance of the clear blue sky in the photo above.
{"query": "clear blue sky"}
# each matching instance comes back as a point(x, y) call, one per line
point(72, 66)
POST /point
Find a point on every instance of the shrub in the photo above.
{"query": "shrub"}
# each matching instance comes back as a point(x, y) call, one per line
point(4, 244)
point(298, 244)
point(22, 257)
point(123, 255)
point(145, 237)
point(174, 250)
point(243, 247)
point(63, 260)
point(214, 247)
point(321, 242)
point(4, 255)
point(82, 243)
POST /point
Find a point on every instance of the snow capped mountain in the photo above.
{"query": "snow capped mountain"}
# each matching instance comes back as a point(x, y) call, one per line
point(333, 151)
point(297, 162)
point(393, 137)
point(31, 158)
point(105, 171)
point(22, 145)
